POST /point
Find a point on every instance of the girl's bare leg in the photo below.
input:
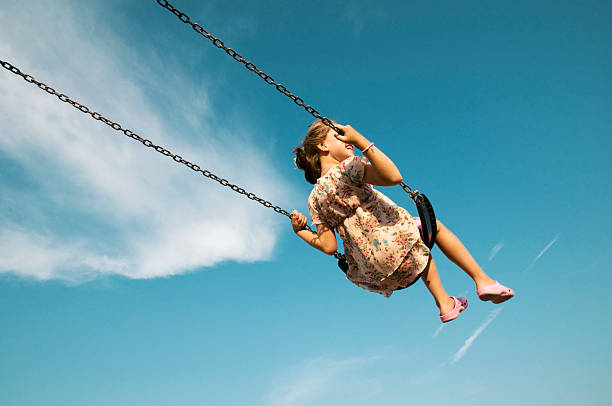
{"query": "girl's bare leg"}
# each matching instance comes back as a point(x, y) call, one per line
point(456, 252)
point(432, 280)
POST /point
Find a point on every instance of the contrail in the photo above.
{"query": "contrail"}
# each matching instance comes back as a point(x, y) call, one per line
point(495, 250)
point(547, 247)
point(470, 341)
point(550, 244)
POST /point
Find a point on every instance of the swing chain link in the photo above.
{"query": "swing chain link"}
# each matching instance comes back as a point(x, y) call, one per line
point(249, 65)
point(413, 194)
point(147, 143)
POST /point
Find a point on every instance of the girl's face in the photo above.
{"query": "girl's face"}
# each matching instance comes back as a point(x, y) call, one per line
point(336, 148)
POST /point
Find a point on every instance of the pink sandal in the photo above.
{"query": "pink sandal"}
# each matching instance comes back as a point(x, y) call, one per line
point(460, 304)
point(496, 293)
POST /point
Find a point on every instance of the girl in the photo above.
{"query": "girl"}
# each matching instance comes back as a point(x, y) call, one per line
point(382, 243)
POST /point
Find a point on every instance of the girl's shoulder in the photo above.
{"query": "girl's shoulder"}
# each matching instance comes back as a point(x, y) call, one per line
point(348, 172)
point(350, 162)
point(349, 165)
point(352, 170)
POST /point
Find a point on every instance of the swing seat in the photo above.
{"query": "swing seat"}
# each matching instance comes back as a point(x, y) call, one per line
point(427, 220)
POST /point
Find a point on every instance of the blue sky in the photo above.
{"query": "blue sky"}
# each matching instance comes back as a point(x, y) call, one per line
point(127, 279)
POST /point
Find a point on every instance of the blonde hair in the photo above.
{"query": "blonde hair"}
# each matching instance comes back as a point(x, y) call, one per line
point(307, 156)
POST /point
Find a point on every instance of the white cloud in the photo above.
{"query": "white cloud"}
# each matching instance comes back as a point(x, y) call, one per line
point(439, 330)
point(38, 256)
point(468, 343)
point(495, 250)
point(106, 204)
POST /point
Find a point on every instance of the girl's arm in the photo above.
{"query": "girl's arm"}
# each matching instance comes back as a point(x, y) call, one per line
point(381, 171)
point(324, 240)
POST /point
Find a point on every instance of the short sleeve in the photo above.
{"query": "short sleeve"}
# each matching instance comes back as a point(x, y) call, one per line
point(314, 213)
point(352, 170)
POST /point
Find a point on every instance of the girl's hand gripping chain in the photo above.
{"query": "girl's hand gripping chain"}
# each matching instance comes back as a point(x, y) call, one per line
point(380, 171)
point(324, 239)
point(298, 221)
point(351, 136)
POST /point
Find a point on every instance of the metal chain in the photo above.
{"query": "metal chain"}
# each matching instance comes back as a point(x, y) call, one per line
point(267, 78)
point(249, 65)
point(413, 194)
point(144, 141)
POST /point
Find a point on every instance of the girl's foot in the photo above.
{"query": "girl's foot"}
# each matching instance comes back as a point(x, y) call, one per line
point(496, 293)
point(447, 306)
point(459, 305)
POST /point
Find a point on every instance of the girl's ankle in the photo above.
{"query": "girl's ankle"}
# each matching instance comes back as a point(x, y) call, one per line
point(447, 305)
point(483, 281)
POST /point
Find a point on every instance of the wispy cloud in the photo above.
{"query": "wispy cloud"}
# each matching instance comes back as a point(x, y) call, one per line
point(468, 343)
point(495, 250)
point(362, 14)
point(439, 330)
point(430, 374)
point(97, 202)
point(550, 244)
point(322, 376)
point(39, 256)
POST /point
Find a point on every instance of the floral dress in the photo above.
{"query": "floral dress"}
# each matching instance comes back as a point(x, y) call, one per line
point(382, 244)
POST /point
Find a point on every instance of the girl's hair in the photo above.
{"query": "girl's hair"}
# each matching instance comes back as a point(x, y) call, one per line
point(307, 156)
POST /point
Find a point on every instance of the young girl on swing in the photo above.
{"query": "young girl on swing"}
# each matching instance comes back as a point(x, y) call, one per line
point(382, 243)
